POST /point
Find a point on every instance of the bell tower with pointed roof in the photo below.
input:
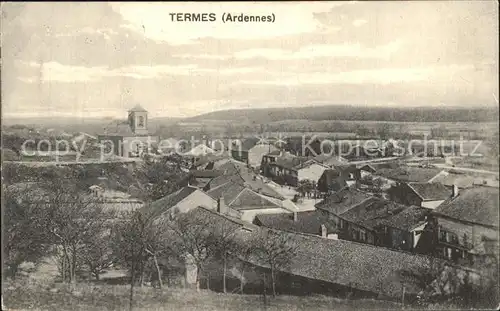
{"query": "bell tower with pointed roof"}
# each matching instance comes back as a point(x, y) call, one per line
point(138, 120)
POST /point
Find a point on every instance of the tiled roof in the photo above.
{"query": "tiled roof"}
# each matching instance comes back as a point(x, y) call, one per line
point(205, 173)
point(431, 191)
point(361, 266)
point(161, 205)
point(330, 160)
point(290, 162)
point(407, 219)
point(307, 222)
point(371, 212)
point(408, 173)
point(231, 167)
point(476, 205)
point(465, 181)
point(248, 199)
point(228, 190)
point(118, 128)
point(343, 200)
point(244, 190)
point(205, 159)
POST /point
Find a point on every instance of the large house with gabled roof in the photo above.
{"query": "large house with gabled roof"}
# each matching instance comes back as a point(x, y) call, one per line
point(128, 138)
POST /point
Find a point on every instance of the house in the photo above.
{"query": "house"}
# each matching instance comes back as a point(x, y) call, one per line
point(428, 195)
point(336, 178)
point(308, 222)
point(330, 160)
point(391, 176)
point(182, 201)
point(247, 195)
point(206, 162)
point(251, 151)
point(201, 178)
point(360, 222)
point(462, 180)
point(360, 269)
point(289, 169)
point(406, 230)
point(340, 202)
point(199, 151)
point(310, 170)
point(467, 225)
point(129, 138)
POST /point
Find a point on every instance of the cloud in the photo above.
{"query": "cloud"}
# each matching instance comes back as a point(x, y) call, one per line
point(54, 71)
point(359, 22)
point(105, 32)
point(324, 50)
point(382, 76)
point(154, 22)
point(202, 56)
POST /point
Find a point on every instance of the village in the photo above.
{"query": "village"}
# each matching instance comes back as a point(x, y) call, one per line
point(258, 217)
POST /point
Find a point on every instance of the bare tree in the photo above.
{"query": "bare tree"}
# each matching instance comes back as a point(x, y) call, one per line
point(226, 244)
point(194, 239)
point(23, 237)
point(97, 254)
point(275, 249)
point(129, 246)
point(73, 218)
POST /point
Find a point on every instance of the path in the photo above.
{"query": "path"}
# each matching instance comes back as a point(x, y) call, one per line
point(465, 169)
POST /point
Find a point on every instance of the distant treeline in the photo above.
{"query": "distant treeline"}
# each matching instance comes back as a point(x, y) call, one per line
point(350, 113)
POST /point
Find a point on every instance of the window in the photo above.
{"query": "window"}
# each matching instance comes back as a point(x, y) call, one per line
point(140, 121)
point(362, 235)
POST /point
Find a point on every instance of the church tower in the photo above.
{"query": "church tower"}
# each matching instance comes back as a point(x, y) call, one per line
point(138, 120)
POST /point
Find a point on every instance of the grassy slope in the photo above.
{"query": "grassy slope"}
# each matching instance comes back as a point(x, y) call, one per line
point(115, 297)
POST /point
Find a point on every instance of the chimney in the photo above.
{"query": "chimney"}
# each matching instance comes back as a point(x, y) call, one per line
point(455, 191)
point(221, 205)
point(295, 216)
point(323, 231)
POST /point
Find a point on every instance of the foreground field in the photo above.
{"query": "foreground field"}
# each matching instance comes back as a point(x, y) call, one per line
point(115, 297)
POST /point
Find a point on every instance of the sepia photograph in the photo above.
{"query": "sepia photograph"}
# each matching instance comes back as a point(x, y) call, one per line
point(240, 156)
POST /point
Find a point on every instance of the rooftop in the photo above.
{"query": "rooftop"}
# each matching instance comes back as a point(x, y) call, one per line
point(137, 108)
point(290, 162)
point(465, 181)
point(407, 219)
point(408, 173)
point(206, 173)
point(330, 160)
point(161, 205)
point(431, 191)
point(307, 222)
point(361, 266)
point(372, 212)
point(118, 128)
point(476, 205)
point(343, 200)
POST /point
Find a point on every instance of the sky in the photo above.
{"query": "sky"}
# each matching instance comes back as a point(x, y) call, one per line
point(100, 59)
